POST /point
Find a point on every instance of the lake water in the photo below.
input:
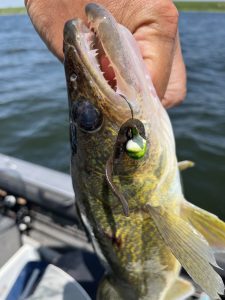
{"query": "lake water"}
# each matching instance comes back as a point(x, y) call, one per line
point(33, 104)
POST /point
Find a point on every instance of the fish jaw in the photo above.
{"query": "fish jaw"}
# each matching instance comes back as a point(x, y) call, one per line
point(111, 37)
point(133, 80)
point(79, 50)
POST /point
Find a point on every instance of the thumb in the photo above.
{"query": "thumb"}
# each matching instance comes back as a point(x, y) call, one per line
point(177, 85)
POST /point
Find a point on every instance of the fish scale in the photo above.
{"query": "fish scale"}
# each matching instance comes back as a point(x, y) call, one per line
point(143, 250)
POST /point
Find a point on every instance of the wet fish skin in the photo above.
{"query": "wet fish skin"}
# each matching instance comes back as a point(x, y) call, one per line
point(120, 238)
point(139, 257)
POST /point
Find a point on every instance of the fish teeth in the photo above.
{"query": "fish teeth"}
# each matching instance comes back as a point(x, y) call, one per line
point(93, 52)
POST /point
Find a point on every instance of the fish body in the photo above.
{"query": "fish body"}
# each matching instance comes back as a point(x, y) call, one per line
point(133, 208)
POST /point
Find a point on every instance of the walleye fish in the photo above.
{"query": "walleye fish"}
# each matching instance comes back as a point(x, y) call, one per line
point(125, 172)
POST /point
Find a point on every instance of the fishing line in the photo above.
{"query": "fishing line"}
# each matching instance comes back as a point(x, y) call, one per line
point(130, 106)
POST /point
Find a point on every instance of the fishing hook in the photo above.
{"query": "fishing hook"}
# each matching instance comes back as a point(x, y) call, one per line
point(130, 106)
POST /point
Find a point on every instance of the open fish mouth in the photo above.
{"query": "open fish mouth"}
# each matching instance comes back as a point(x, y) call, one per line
point(90, 51)
point(102, 53)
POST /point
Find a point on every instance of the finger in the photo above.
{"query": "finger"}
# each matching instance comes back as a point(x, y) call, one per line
point(156, 35)
point(177, 86)
point(49, 18)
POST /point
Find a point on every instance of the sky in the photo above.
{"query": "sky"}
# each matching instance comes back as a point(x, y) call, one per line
point(11, 3)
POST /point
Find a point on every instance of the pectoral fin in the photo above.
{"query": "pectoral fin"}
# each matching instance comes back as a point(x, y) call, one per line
point(190, 248)
point(209, 225)
point(180, 290)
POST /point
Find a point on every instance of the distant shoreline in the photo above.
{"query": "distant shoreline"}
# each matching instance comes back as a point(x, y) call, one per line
point(181, 6)
point(13, 11)
point(200, 6)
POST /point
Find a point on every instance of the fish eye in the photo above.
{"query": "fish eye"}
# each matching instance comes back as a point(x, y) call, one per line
point(86, 115)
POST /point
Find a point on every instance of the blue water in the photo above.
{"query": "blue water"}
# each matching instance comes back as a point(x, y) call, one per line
point(33, 104)
point(199, 123)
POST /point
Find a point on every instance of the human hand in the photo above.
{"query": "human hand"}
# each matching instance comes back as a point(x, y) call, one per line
point(153, 23)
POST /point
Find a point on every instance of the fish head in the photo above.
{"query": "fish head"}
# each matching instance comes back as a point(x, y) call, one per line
point(106, 113)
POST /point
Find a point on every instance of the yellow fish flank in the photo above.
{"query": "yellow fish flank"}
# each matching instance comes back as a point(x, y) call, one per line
point(125, 172)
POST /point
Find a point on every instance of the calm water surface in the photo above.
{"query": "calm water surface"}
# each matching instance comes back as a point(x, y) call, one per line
point(33, 104)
